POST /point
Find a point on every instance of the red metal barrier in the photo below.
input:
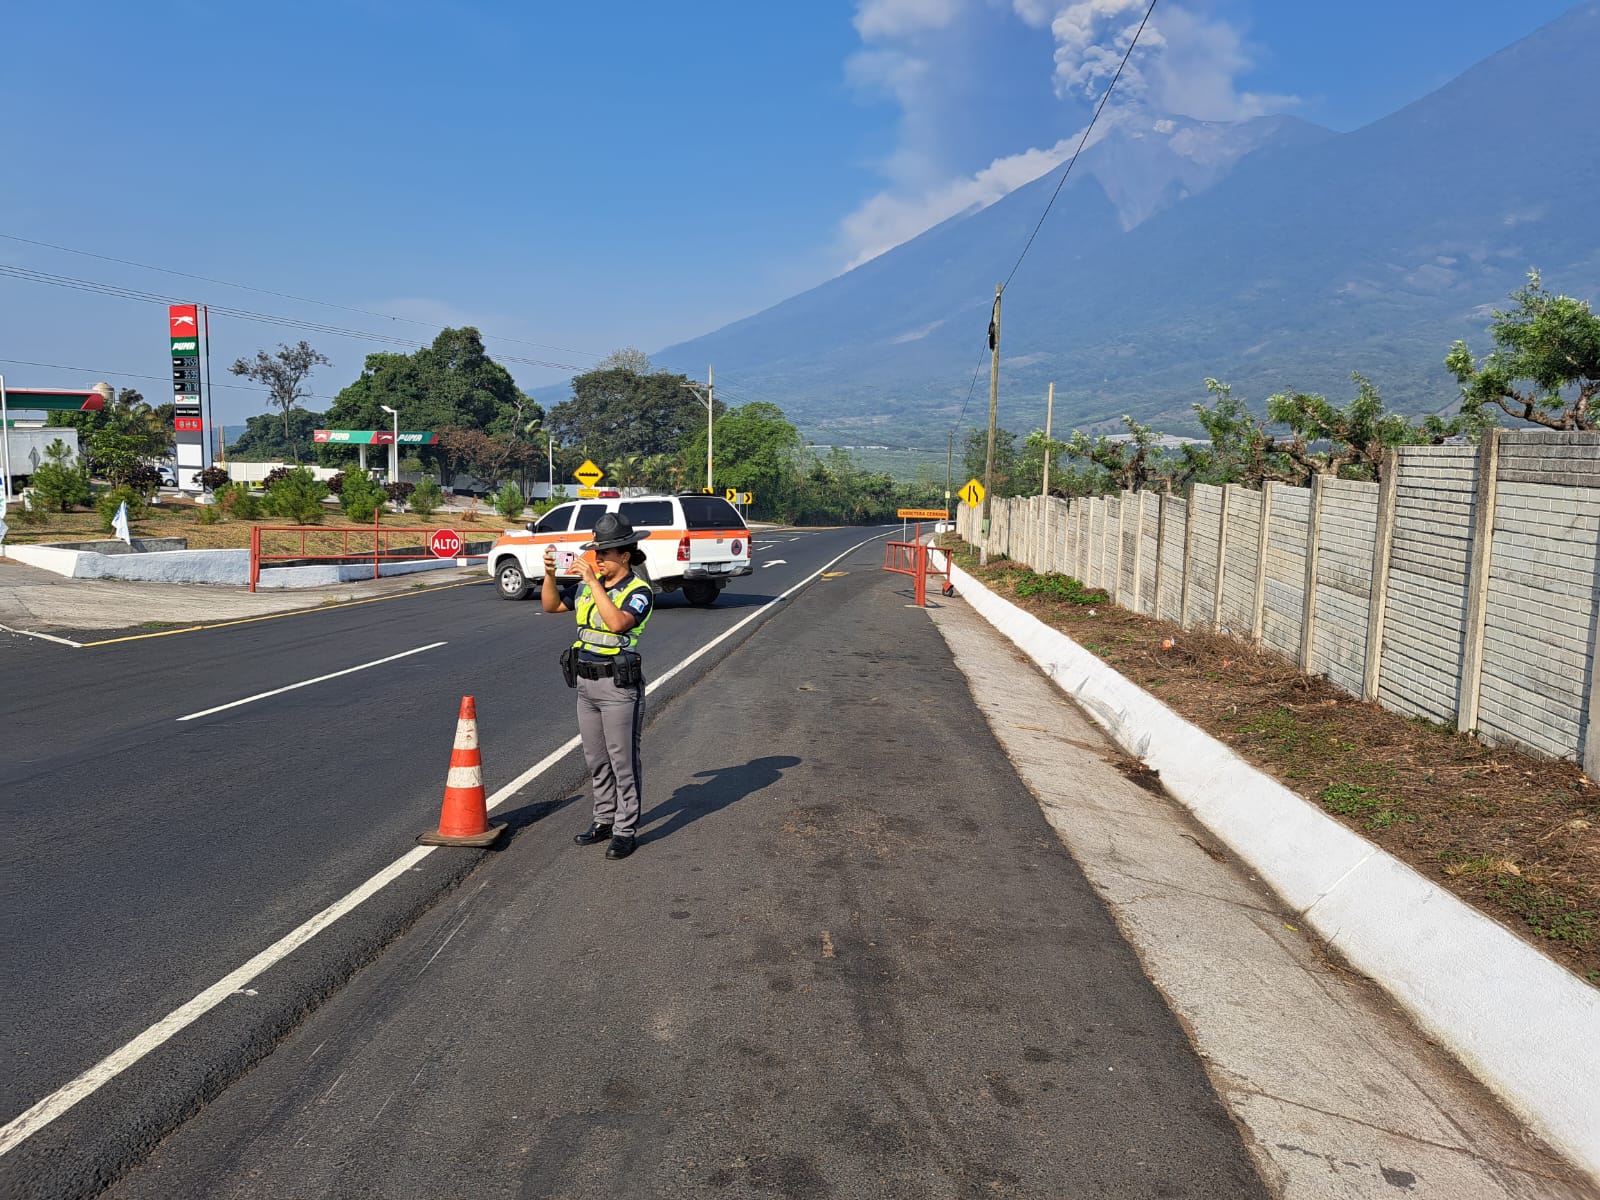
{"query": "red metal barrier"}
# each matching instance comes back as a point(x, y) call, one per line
point(917, 560)
point(382, 548)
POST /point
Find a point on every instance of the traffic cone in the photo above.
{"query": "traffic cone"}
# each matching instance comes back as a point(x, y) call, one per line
point(464, 818)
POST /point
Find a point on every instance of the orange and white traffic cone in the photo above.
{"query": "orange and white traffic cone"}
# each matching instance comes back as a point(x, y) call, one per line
point(464, 818)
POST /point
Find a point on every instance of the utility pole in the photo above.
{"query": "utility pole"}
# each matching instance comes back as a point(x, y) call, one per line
point(994, 404)
point(949, 453)
point(1049, 451)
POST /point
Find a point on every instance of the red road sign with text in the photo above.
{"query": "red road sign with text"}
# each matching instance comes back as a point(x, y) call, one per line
point(445, 543)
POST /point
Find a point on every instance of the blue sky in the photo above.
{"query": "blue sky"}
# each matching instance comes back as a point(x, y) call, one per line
point(576, 178)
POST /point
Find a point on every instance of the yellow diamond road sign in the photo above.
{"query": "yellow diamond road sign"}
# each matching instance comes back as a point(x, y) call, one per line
point(588, 474)
point(972, 493)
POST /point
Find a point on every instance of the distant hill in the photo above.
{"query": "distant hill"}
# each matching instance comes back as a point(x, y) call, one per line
point(1270, 253)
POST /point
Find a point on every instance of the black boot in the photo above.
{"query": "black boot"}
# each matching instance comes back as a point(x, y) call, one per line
point(595, 833)
point(621, 846)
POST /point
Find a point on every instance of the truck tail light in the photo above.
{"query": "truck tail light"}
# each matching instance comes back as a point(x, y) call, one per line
point(683, 548)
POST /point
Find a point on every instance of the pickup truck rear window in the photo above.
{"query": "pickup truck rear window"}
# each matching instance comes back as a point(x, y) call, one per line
point(648, 514)
point(710, 512)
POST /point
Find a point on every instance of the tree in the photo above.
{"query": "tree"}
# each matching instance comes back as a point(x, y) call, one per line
point(450, 384)
point(1129, 461)
point(626, 359)
point(489, 456)
point(60, 482)
point(1545, 367)
point(757, 450)
point(119, 437)
point(974, 457)
point(616, 411)
point(1358, 434)
point(284, 375)
point(263, 440)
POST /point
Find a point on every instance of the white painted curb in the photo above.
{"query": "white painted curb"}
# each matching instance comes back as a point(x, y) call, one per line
point(228, 567)
point(1527, 1027)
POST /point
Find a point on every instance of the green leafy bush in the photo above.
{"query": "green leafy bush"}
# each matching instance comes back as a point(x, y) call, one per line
point(426, 498)
point(296, 496)
point(1060, 587)
point(208, 514)
point(509, 502)
point(107, 503)
point(59, 482)
point(359, 496)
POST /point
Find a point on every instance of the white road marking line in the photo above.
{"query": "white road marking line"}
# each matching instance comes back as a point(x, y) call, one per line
point(49, 637)
point(309, 682)
point(775, 562)
point(20, 1128)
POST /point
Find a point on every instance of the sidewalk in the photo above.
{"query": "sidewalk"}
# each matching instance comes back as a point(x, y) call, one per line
point(852, 957)
point(37, 601)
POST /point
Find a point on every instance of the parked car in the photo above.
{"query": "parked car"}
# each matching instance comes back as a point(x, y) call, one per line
point(169, 475)
point(697, 543)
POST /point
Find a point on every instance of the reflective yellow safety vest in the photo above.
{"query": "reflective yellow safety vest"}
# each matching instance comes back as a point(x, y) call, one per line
point(592, 632)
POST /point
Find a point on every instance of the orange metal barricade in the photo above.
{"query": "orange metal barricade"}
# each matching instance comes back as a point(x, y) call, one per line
point(316, 544)
point(917, 560)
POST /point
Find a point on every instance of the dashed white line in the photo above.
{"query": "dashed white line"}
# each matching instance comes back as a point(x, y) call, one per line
point(308, 682)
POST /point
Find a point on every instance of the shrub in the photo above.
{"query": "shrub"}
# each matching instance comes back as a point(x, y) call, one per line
point(336, 484)
point(59, 482)
point(399, 492)
point(1061, 587)
point(425, 498)
point(360, 496)
point(209, 514)
point(296, 496)
point(113, 498)
point(140, 477)
point(237, 500)
point(213, 479)
point(509, 502)
point(276, 475)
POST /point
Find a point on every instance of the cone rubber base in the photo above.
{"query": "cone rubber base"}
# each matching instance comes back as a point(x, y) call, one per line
point(487, 838)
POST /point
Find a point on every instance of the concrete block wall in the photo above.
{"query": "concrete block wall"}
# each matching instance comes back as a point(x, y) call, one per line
point(1534, 685)
point(1205, 531)
point(1346, 537)
point(1465, 590)
point(1285, 576)
point(1239, 561)
point(1174, 525)
point(1426, 599)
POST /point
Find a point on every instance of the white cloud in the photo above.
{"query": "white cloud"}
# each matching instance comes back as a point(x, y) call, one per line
point(896, 18)
point(920, 53)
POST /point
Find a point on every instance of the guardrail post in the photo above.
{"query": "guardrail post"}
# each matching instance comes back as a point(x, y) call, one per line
point(255, 556)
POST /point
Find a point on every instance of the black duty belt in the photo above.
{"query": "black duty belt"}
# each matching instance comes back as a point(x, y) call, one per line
point(594, 670)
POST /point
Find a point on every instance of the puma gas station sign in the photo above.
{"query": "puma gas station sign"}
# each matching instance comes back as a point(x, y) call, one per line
point(185, 338)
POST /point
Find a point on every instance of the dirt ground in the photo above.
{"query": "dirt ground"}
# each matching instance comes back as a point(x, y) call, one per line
point(1513, 835)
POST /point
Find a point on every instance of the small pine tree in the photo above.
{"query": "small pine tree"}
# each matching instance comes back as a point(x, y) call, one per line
point(360, 496)
point(509, 502)
point(296, 495)
point(60, 482)
point(427, 497)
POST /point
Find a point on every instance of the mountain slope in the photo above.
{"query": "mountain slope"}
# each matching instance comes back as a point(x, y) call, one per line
point(1289, 265)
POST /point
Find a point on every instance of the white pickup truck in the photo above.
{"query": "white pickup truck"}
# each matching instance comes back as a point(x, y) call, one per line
point(697, 543)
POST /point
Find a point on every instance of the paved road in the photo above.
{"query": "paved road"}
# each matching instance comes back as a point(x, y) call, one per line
point(849, 959)
point(147, 856)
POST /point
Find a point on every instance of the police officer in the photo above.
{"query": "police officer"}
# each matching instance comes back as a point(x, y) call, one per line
point(613, 602)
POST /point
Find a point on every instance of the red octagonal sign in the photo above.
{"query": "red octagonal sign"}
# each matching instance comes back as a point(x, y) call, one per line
point(445, 543)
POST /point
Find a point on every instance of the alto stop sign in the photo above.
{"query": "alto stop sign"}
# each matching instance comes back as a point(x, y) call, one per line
point(445, 543)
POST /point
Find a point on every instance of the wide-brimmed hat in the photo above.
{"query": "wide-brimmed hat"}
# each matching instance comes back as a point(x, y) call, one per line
point(613, 531)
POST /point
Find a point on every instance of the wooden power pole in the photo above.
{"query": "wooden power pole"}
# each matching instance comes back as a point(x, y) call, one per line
point(994, 403)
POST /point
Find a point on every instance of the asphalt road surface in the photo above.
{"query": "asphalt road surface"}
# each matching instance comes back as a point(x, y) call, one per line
point(173, 806)
point(850, 958)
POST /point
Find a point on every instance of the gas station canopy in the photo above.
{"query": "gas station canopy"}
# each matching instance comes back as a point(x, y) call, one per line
point(372, 437)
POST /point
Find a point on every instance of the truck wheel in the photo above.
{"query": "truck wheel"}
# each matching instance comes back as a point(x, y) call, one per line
point(513, 584)
point(701, 594)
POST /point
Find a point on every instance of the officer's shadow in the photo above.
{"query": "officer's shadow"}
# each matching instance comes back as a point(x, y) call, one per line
point(723, 786)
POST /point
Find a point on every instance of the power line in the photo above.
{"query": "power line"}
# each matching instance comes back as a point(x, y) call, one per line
point(1128, 53)
point(245, 287)
point(29, 275)
point(101, 371)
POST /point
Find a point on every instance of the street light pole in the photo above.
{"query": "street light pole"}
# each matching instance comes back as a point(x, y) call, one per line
point(5, 444)
point(709, 400)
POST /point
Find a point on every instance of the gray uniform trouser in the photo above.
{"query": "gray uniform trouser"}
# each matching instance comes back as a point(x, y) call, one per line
point(610, 719)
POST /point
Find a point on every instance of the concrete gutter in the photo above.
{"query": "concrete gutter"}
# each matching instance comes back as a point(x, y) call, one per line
point(1519, 1021)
